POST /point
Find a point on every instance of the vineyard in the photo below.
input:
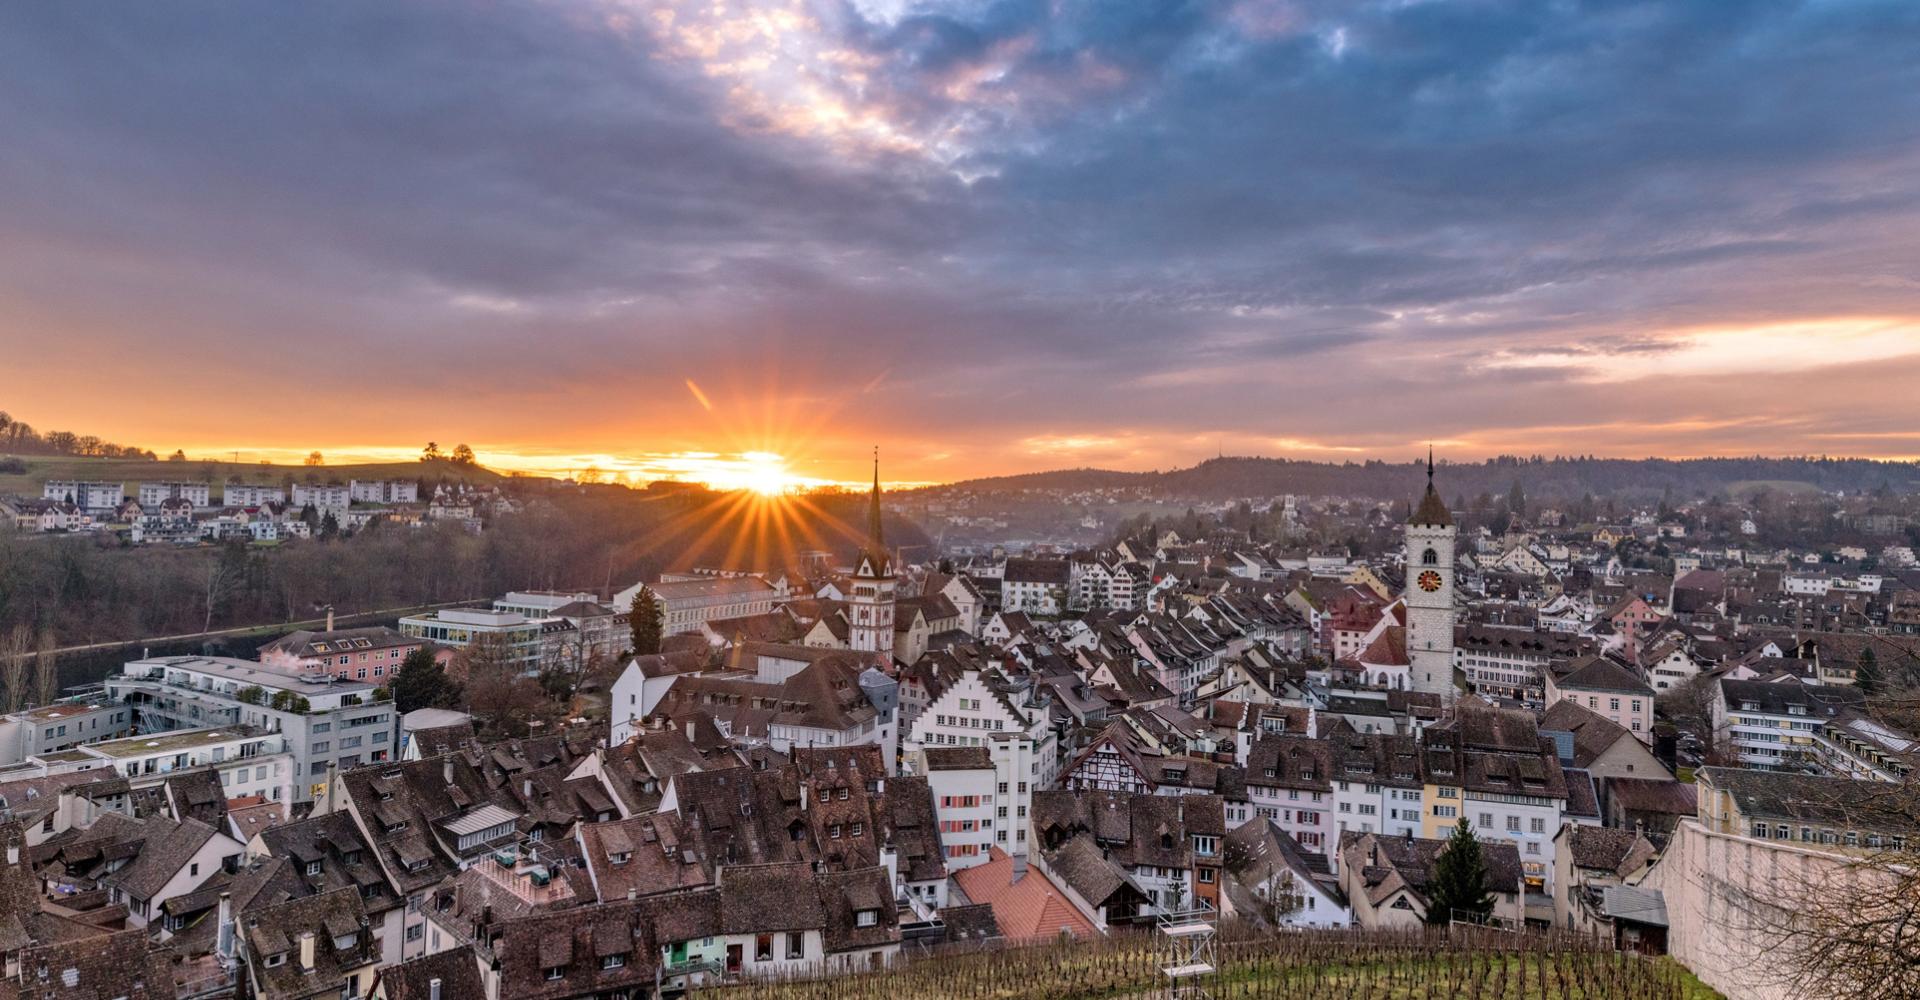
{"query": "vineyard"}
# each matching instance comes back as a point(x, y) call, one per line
point(1348, 965)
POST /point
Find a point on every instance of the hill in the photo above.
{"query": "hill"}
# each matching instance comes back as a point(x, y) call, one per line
point(30, 472)
point(1541, 478)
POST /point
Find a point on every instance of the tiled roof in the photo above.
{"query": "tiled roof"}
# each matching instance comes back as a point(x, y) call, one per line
point(1033, 908)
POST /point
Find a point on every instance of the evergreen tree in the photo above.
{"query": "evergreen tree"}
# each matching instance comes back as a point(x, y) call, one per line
point(423, 683)
point(1866, 676)
point(1459, 883)
point(644, 619)
point(1517, 500)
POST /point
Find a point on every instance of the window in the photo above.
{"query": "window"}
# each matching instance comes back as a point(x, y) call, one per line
point(613, 961)
point(866, 918)
point(313, 868)
point(556, 972)
point(763, 948)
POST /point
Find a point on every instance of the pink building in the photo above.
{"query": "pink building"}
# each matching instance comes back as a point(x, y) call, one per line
point(352, 654)
point(1606, 689)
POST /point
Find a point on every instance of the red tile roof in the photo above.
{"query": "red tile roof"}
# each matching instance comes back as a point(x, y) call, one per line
point(1033, 908)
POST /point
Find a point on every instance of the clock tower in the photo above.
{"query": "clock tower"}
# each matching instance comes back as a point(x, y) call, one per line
point(1430, 537)
point(870, 606)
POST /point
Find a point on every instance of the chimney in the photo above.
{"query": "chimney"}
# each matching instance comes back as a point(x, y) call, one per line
point(526, 788)
point(803, 796)
point(224, 944)
point(446, 769)
point(689, 730)
point(632, 894)
point(13, 852)
point(433, 989)
point(329, 617)
point(306, 951)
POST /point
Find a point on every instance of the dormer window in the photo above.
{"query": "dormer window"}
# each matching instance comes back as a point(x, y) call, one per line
point(613, 961)
point(866, 918)
point(313, 868)
point(556, 972)
point(345, 942)
point(276, 960)
point(619, 857)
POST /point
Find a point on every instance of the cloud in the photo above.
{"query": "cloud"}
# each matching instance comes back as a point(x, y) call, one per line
point(976, 225)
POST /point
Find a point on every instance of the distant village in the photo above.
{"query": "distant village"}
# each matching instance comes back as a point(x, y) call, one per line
point(813, 769)
point(186, 513)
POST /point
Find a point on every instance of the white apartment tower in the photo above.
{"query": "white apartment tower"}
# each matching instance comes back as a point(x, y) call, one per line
point(1429, 593)
point(870, 606)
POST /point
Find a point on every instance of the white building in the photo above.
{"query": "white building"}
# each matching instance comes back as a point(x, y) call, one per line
point(460, 627)
point(963, 782)
point(245, 495)
point(686, 605)
point(250, 761)
point(198, 494)
point(327, 724)
point(92, 497)
point(383, 490)
point(322, 497)
point(1011, 720)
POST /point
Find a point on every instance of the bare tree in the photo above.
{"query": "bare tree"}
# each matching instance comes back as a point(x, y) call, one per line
point(14, 651)
point(46, 670)
point(1843, 921)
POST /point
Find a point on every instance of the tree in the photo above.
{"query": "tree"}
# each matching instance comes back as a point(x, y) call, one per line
point(1517, 500)
point(329, 525)
point(1459, 883)
point(430, 453)
point(1867, 676)
point(46, 670)
point(315, 458)
point(644, 619)
point(423, 683)
point(179, 455)
point(14, 653)
point(462, 455)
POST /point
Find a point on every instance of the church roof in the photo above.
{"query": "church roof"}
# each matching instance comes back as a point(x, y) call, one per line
point(1433, 510)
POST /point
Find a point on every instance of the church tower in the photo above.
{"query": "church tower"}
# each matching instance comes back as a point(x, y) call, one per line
point(1429, 593)
point(870, 607)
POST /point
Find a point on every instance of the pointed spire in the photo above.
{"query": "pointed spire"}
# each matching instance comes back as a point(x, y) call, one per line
point(873, 509)
point(1433, 510)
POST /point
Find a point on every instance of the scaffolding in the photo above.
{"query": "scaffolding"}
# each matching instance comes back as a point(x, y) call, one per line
point(1188, 951)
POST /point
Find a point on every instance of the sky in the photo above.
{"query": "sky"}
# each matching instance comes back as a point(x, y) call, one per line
point(996, 237)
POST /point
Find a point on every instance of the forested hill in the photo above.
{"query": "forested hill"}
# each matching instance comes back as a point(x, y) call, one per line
point(93, 588)
point(1545, 478)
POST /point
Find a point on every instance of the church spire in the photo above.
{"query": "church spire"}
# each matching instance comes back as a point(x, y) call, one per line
point(1433, 510)
point(874, 540)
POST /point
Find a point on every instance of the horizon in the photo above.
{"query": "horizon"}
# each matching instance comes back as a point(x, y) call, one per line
point(991, 239)
point(765, 473)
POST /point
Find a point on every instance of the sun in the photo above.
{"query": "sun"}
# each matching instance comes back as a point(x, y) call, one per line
point(763, 472)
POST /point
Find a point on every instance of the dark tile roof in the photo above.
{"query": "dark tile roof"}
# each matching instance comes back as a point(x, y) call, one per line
point(457, 969)
point(277, 929)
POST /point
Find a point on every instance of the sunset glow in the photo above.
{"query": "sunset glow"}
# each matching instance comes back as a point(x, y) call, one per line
point(741, 242)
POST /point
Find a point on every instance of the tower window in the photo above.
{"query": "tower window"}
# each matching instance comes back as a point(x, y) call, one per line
point(1429, 558)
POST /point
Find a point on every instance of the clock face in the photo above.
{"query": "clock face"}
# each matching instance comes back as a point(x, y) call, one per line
point(1429, 581)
